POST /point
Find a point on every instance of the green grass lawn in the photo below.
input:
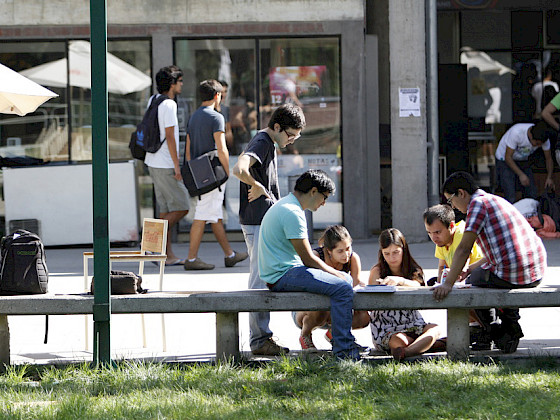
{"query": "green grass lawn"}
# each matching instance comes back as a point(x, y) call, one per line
point(286, 389)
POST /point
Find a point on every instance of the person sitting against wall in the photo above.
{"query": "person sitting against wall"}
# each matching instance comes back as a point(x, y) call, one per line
point(512, 159)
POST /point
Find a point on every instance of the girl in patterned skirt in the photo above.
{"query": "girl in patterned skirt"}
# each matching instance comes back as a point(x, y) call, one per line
point(403, 333)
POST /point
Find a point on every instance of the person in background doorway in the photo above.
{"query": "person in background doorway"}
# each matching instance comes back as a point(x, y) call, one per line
point(171, 194)
point(512, 159)
point(538, 90)
point(549, 115)
point(223, 109)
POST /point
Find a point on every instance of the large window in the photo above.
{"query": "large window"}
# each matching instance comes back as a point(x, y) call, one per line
point(60, 130)
point(53, 133)
point(44, 133)
point(262, 74)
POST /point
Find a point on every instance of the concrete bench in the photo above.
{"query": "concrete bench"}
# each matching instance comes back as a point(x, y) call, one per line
point(227, 306)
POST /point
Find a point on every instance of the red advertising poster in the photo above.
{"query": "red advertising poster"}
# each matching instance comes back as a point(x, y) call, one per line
point(288, 84)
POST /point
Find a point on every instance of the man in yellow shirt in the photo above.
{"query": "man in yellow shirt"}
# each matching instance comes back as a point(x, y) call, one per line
point(440, 224)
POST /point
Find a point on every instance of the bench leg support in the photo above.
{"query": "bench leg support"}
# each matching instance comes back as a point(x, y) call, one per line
point(458, 340)
point(227, 336)
point(4, 342)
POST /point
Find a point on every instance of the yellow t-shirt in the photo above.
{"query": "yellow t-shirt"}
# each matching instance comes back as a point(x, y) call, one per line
point(446, 254)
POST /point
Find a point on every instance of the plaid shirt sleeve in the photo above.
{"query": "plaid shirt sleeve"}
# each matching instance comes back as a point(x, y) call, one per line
point(476, 217)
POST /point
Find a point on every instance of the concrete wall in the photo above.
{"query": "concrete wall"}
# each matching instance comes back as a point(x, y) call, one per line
point(408, 134)
point(131, 12)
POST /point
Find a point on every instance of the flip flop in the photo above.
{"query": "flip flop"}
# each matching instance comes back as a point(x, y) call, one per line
point(176, 262)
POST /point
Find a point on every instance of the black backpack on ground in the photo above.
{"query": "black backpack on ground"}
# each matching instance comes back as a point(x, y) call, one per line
point(146, 137)
point(123, 283)
point(550, 204)
point(23, 268)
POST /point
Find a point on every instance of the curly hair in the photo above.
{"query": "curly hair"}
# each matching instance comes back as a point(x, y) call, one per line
point(287, 116)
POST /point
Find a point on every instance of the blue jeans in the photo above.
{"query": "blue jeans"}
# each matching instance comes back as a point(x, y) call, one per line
point(509, 181)
point(305, 279)
point(258, 321)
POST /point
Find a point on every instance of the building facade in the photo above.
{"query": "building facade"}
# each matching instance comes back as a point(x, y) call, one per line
point(358, 69)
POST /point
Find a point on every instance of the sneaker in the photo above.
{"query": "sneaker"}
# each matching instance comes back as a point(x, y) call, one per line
point(359, 347)
point(351, 355)
point(237, 257)
point(307, 343)
point(270, 348)
point(509, 339)
point(198, 264)
point(507, 344)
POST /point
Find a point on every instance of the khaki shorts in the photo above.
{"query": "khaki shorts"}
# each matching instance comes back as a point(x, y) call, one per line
point(171, 195)
point(210, 207)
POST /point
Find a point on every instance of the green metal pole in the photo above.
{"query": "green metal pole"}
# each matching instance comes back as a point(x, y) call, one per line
point(100, 169)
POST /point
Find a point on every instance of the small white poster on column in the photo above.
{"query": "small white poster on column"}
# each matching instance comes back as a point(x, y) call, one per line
point(409, 102)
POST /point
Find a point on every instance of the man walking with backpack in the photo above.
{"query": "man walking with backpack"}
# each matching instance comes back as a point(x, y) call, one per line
point(171, 194)
point(206, 132)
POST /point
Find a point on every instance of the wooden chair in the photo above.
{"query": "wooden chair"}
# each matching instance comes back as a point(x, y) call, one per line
point(152, 248)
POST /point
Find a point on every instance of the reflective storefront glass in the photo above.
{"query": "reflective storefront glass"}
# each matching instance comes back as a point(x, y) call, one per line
point(262, 74)
point(60, 130)
point(509, 59)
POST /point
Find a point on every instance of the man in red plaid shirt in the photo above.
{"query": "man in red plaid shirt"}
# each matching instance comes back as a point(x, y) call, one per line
point(515, 255)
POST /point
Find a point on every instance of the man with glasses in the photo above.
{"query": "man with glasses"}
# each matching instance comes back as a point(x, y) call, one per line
point(171, 194)
point(257, 170)
point(515, 255)
point(287, 262)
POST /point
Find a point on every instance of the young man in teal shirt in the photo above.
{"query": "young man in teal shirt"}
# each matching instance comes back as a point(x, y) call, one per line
point(287, 262)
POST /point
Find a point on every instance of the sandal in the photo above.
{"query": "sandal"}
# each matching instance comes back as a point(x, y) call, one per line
point(398, 354)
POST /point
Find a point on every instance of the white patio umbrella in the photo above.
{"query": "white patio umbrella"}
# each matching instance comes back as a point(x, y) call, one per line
point(18, 94)
point(481, 60)
point(122, 78)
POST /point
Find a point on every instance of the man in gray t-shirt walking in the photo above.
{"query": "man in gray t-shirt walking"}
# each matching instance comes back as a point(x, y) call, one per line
point(205, 132)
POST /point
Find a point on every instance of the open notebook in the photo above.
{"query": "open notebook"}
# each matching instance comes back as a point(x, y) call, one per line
point(376, 288)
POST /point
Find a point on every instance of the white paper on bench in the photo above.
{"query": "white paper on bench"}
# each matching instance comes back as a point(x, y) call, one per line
point(376, 288)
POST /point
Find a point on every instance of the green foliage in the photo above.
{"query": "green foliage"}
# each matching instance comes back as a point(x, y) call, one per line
point(285, 389)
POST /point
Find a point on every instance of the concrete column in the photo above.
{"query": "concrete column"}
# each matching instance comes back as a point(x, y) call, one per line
point(407, 69)
point(354, 145)
point(458, 341)
point(227, 336)
point(4, 342)
point(162, 52)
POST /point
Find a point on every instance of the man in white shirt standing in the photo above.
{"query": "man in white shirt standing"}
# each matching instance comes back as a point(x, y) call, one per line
point(163, 165)
point(512, 158)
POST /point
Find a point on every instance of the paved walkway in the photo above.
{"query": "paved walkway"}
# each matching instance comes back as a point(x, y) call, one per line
point(191, 337)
